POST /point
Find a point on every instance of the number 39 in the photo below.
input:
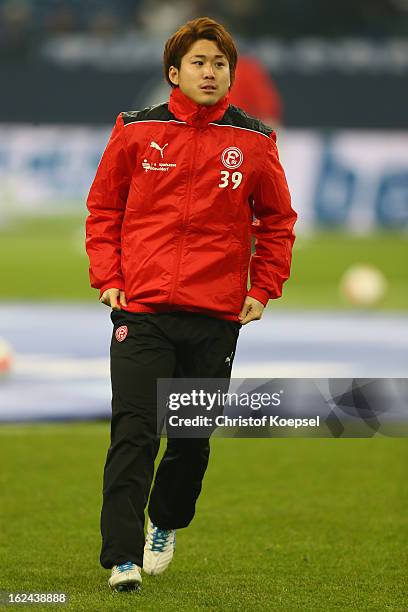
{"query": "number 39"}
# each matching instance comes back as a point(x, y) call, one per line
point(236, 178)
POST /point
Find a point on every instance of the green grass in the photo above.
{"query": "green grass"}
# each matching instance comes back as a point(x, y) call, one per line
point(320, 261)
point(285, 524)
point(44, 259)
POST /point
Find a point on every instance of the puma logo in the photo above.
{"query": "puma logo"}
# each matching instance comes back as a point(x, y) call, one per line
point(228, 359)
point(154, 145)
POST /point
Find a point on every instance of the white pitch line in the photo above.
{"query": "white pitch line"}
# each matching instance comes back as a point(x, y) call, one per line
point(51, 366)
point(45, 367)
point(292, 369)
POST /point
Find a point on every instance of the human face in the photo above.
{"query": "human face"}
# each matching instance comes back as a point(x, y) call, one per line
point(204, 74)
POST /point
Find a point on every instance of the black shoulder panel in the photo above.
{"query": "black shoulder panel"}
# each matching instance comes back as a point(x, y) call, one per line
point(159, 112)
point(235, 116)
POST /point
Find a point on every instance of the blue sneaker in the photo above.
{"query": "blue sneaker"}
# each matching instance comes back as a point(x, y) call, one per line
point(159, 549)
point(125, 577)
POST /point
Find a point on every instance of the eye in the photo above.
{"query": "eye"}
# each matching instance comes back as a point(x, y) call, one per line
point(198, 62)
point(220, 64)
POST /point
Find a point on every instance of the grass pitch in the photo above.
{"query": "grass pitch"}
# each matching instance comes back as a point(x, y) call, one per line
point(283, 524)
point(45, 259)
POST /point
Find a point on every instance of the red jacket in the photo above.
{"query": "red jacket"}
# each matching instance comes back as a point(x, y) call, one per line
point(172, 210)
point(255, 92)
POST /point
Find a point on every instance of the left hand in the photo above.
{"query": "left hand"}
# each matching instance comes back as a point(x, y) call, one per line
point(251, 310)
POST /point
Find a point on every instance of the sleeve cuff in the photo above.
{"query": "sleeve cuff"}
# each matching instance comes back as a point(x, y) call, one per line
point(259, 294)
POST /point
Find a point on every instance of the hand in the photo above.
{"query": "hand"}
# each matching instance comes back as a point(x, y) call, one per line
point(251, 310)
point(110, 298)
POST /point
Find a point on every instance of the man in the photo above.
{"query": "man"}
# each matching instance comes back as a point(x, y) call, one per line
point(172, 210)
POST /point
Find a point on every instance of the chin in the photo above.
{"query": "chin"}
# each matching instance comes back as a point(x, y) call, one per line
point(209, 101)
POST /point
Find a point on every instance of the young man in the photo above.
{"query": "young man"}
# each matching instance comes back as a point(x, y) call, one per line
point(172, 210)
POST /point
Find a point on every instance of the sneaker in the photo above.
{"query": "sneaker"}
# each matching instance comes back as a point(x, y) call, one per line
point(159, 549)
point(125, 577)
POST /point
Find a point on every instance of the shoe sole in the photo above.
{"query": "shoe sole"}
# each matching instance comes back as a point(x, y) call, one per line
point(129, 586)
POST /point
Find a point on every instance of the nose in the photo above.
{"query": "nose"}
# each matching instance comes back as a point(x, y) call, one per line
point(208, 71)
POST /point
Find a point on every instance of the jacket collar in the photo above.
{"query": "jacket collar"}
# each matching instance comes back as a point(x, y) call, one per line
point(197, 115)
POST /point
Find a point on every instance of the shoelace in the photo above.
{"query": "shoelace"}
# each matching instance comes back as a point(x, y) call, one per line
point(160, 539)
point(125, 567)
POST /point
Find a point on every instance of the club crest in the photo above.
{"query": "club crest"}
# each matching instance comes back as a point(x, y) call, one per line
point(121, 333)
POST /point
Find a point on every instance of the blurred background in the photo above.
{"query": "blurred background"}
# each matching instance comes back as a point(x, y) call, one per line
point(330, 77)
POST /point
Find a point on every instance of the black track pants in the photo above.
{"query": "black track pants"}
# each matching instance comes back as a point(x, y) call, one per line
point(165, 345)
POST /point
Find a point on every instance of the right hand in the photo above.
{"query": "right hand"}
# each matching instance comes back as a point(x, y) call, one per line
point(110, 298)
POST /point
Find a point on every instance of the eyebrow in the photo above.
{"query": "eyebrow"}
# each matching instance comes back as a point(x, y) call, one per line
point(206, 56)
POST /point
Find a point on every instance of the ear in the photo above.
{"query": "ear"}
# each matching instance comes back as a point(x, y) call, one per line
point(174, 75)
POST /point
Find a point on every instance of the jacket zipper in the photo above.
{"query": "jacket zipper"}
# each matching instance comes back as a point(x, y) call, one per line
point(184, 223)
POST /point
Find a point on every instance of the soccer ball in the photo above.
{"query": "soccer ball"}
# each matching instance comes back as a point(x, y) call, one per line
point(363, 285)
point(6, 358)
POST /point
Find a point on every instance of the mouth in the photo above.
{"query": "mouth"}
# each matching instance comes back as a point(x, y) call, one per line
point(210, 88)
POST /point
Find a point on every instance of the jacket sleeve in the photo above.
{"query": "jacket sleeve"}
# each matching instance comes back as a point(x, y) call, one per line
point(106, 204)
point(272, 228)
